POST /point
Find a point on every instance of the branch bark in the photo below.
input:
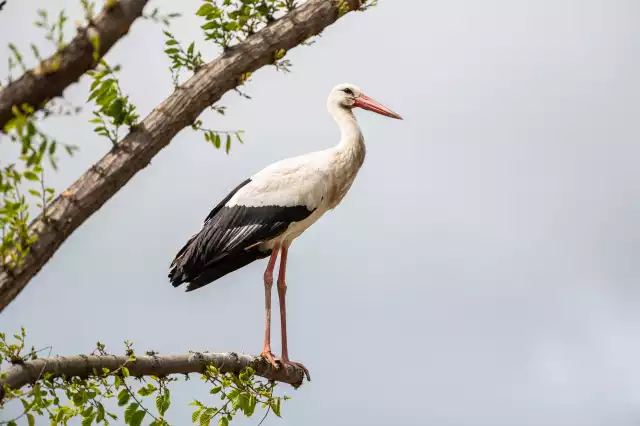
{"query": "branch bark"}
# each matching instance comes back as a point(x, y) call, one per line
point(84, 366)
point(48, 81)
point(103, 180)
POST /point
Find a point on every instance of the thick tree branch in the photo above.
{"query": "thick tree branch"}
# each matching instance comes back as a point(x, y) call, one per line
point(63, 68)
point(84, 366)
point(179, 110)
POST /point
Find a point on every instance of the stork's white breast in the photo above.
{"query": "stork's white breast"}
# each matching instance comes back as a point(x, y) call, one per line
point(297, 181)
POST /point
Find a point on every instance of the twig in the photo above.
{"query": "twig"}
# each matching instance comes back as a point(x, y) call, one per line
point(265, 415)
point(131, 393)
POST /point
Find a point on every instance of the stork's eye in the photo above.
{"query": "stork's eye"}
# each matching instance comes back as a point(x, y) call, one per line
point(348, 91)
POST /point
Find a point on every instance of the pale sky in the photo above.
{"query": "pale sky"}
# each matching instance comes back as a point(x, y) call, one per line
point(482, 270)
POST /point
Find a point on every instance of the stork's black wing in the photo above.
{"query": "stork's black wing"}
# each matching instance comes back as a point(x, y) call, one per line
point(229, 240)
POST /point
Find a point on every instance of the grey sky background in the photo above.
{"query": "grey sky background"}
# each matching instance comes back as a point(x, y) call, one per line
point(483, 269)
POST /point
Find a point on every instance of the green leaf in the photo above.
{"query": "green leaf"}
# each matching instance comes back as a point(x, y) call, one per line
point(87, 421)
point(171, 50)
point(163, 402)
point(123, 397)
point(230, 26)
point(275, 406)
point(195, 415)
point(242, 402)
point(205, 10)
point(223, 421)
point(136, 420)
point(125, 371)
point(233, 394)
point(95, 84)
point(31, 419)
point(215, 390)
point(116, 110)
point(251, 406)
point(31, 176)
point(171, 42)
point(217, 141)
point(78, 398)
point(129, 412)
point(25, 405)
point(228, 144)
point(205, 417)
point(100, 416)
point(147, 390)
point(210, 26)
point(159, 404)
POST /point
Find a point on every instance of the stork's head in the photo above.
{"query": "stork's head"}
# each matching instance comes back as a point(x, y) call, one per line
point(350, 96)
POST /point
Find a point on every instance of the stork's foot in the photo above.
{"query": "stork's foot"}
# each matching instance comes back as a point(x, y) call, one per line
point(286, 362)
point(271, 359)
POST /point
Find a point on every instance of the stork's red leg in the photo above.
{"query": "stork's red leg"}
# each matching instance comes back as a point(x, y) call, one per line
point(268, 284)
point(282, 291)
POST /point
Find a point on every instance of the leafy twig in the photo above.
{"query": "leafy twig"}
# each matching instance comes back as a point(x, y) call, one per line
point(214, 136)
point(115, 109)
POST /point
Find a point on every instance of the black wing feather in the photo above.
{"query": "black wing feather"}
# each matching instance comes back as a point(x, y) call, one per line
point(228, 240)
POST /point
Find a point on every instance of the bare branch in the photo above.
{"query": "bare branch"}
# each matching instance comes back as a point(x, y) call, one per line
point(63, 68)
point(83, 366)
point(71, 209)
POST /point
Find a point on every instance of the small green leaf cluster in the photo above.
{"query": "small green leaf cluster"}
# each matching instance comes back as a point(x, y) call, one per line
point(54, 30)
point(240, 392)
point(227, 22)
point(367, 4)
point(61, 399)
point(343, 6)
point(14, 214)
point(181, 59)
point(15, 60)
point(231, 21)
point(215, 136)
point(23, 176)
point(281, 64)
point(89, 8)
point(17, 180)
point(160, 18)
point(114, 108)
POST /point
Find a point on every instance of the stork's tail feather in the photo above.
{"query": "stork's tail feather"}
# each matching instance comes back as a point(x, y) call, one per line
point(215, 270)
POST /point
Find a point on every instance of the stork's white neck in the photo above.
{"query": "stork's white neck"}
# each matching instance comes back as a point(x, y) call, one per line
point(351, 135)
point(348, 154)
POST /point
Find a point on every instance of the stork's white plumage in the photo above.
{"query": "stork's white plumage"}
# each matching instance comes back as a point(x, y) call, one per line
point(264, 214)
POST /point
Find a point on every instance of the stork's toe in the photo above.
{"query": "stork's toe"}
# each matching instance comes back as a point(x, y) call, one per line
point(297, 365)
point(271, 359)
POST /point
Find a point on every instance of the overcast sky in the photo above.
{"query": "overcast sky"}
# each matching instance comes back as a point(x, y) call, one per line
point(483, 269)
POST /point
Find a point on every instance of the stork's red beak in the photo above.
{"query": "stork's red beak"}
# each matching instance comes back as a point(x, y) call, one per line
point(366, 102)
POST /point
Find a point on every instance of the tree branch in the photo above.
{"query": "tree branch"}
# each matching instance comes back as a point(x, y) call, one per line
point(63, 68)
point(83, 366)
point(96, 186)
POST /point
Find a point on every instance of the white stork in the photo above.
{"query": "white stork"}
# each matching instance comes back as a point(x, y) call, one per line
point(265, 213)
